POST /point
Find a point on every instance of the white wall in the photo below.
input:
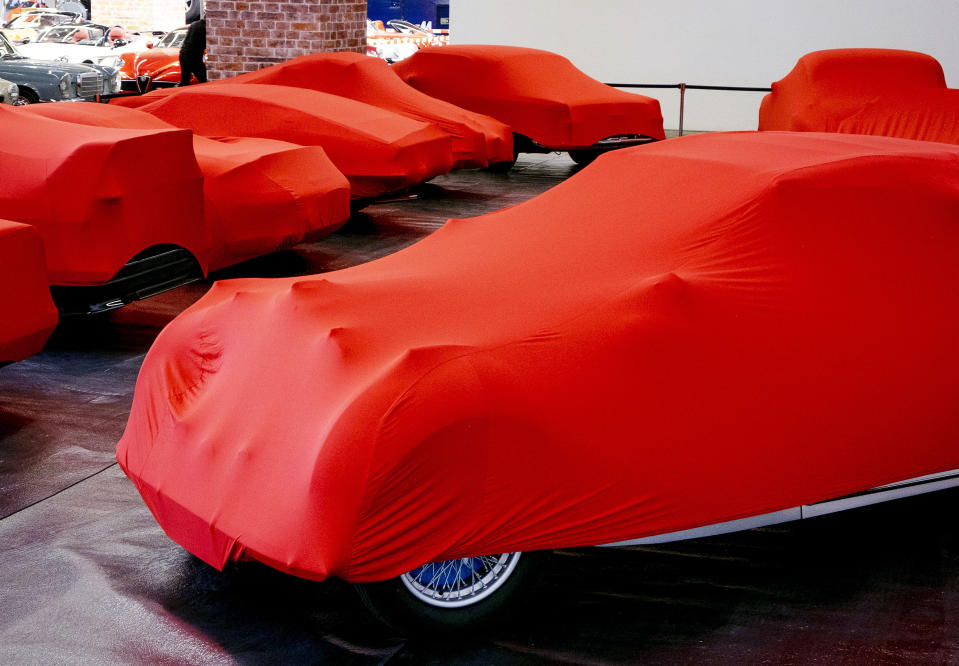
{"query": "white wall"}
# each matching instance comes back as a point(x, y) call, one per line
point(710, 42)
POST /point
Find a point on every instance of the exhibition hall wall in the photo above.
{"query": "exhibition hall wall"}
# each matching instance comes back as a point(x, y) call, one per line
point(733, 43)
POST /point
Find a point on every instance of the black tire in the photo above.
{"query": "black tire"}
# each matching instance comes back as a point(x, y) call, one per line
point(583, 157)
point(393, 602)
point(26, 96)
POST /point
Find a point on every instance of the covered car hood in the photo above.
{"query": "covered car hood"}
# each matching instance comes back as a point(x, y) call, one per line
point(825, 87)
point(478, 140)
point(576, 369)
point(260, 195)
point(377, 150)
point(539, 94)
point(30, 315)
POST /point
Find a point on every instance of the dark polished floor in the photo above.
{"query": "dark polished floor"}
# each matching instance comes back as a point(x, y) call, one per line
point(87, 577)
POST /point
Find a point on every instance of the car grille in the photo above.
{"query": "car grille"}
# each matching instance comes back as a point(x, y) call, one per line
point(90, 84)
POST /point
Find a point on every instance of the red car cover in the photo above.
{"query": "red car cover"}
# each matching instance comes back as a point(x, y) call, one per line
point(825, 87)
point(925, 115)
point(377, 150)
point(577, 369)
point(539, 94)
point(261, 195)
point(29, 315)
point(82, 188)
point(136, 101)
point(478, 140)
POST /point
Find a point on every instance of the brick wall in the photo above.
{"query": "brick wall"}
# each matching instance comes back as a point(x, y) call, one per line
point(246, 35)
point(138, 14)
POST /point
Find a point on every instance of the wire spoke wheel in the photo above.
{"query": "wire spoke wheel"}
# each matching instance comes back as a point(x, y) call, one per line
point(454, 596)
point(460, 582)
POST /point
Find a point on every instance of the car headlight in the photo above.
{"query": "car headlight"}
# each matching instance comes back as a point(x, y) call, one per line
point(115, 82)
point(13, 92)
point(66, 87)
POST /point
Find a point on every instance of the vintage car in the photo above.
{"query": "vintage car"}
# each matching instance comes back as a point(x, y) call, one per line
point(41, 81)
point(158, 67)
point(87, 43)
point(29, 314)
point(549, 103)
point(777, 343)
point(109, 240)
point(400, 40)
point(377, 150)
point(25, 27)
point(885, 92)
point(9, 93)
point(478, 140)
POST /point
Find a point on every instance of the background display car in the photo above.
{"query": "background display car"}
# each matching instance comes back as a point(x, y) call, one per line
point(87, 43)
point(110, 240)
point(549, 103)
point(400, 40)
point(159, 67)
point(377, 150)
point(573, 370)
point(478, 140)
point(8, 92)
point(42, 81)
point(26, 27)
point(30, 315)
point(884, 92)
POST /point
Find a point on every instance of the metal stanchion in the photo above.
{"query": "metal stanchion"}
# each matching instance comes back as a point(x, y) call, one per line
point(682, 105)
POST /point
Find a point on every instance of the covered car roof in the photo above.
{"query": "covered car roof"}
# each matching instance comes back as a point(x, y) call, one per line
point(82, 188)
point(477, 139)
point(576, 369)
point(261, 195)
point(29, 314)
point(539, 94)
point(377, 150)
point(825, 87)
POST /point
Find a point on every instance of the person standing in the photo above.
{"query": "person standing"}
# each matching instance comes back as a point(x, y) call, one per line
point(191, 53)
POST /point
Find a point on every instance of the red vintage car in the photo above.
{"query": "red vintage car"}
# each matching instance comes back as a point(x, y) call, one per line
point(157, 67)
point(776, 343)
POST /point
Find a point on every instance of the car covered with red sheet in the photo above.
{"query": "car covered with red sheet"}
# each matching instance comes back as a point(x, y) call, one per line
point(782, 334)
point(377, 150)
point(478, 140)
point(827, 87)
point(256, 190)
point(29, 314)
point(541, 95)
point(102, 225)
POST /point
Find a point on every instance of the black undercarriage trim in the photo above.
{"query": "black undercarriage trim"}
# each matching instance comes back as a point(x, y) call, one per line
point(151, 272)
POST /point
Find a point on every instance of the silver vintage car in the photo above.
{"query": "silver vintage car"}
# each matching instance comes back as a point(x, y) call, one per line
point(40, 81)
